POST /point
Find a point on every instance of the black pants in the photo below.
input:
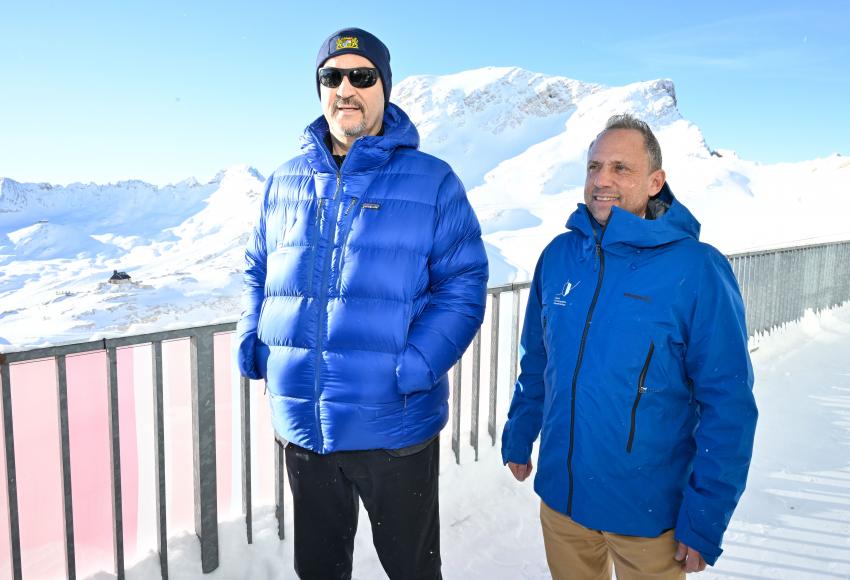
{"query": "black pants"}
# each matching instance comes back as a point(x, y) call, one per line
point(400, 495)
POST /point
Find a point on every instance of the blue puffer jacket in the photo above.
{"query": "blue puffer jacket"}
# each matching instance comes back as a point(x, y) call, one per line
point(635, 366)
point(363, 285)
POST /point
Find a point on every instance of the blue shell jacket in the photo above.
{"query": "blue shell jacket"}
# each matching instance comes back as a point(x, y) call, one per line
point(636, 374)
point(363, 285)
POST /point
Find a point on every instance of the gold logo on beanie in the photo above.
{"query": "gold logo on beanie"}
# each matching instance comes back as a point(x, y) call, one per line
point(344, 42)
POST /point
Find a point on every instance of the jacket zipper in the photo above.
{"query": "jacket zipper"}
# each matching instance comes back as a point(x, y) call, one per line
point(322, 295)
point(317, 231)
point(587, 321)
point(640, 391)
point(348, 209)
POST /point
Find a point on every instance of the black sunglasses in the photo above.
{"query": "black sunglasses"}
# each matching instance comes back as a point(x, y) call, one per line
point(360, 77)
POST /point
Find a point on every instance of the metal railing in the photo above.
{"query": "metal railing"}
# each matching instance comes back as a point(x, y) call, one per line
point(203, 442)
point(778, 286)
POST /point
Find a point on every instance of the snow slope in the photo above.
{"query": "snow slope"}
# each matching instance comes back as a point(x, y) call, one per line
point(518, 140)
point(182, 246)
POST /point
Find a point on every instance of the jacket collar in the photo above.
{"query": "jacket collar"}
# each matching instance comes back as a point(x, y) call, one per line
point(367, 153)
point(668, 221)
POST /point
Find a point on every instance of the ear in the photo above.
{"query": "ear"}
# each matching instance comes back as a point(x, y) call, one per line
point(656, 181)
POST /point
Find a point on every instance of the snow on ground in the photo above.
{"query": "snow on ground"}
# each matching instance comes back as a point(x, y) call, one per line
point(793, 521)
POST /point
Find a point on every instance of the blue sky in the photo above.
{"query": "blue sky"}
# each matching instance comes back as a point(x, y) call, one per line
point(163, 90)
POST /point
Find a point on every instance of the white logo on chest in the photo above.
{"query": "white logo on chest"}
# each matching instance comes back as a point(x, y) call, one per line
point(560, 299)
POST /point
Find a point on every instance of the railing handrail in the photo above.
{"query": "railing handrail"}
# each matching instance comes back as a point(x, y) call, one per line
point(101, 344)
point(780, 249)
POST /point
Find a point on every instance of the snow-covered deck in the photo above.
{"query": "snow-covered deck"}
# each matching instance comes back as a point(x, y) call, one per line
point(793, 521)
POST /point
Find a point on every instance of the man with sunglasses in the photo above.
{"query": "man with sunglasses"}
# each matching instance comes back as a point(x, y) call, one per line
point(365, 281)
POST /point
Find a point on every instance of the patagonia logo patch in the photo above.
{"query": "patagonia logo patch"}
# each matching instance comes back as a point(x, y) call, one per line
point(637, 297)
point(344, 42)
point(369, 205)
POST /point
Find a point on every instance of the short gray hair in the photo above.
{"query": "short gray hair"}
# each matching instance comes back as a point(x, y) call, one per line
point(627, 121)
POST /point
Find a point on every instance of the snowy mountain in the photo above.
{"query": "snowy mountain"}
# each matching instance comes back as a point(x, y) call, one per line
point(517, 139)
point(477, 117)
point(182, 245)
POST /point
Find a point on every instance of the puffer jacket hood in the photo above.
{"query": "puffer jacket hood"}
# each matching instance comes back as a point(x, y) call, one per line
point(678, 223)
point(371, 151)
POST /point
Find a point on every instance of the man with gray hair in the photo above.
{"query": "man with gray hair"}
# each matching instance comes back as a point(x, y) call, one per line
point(635, 374)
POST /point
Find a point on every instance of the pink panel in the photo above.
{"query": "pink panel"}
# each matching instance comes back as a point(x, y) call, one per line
point(129, 452)
point(37, 459)
point(224, 423)
point(91, 473)
point(178, 437)
point(145, 466)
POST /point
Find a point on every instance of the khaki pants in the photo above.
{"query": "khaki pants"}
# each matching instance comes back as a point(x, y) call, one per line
point(578, 553)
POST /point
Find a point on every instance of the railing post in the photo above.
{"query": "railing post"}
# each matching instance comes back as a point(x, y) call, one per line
point(842, 256)
point(159, 464)
point(761, 274)
point(791, 299)
point(795, 264)
point(279, 476)
point(203, 449)
point(779, 266)
point(456, 378)
point(515, 330)
point(476, 389)
point(115, 460)
point(746, 278)
point(245, 422)
point(775, 300)
point(829, 295)
point(494, 366)
point(65, 454)
point(11, 479)
point(748, 294)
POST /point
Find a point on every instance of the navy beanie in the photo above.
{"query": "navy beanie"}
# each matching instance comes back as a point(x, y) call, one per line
point(357, 41)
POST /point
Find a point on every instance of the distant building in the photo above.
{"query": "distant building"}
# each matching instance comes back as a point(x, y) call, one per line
point(119, 277)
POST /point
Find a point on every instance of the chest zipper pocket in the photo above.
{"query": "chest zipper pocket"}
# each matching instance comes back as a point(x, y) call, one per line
point(641, 389)
point(344, 243)
point(317, 231)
